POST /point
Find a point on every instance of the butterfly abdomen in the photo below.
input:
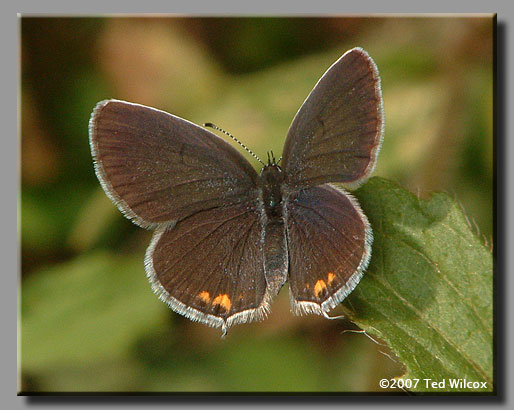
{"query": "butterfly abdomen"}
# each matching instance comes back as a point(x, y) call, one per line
point(276, 260)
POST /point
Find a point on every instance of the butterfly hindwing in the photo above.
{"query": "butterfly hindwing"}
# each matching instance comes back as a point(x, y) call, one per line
point(209, 266)
point(158, 168)
point(329, 242)
point(337, 132)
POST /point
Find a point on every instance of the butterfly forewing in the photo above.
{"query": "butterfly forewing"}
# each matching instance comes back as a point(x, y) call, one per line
point(159, 168)
point(336, 134)
point(329, 242)
point(209, 266)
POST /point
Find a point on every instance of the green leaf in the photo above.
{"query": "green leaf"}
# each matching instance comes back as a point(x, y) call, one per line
point(428, 291)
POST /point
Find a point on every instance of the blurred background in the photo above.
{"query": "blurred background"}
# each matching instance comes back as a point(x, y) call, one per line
point(89, 320)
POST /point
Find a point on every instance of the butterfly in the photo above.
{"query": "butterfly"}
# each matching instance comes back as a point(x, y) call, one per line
point(227, 238)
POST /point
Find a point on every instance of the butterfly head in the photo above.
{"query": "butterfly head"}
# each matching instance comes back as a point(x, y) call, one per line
point(272, 172)
point(272, 163)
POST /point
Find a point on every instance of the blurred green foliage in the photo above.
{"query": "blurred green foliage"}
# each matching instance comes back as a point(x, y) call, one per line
point(89, 319)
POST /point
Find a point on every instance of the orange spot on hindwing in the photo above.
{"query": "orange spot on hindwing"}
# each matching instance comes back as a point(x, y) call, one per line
point(319, 287)
point(330, 278)
point(223, 300)
point(204, 296)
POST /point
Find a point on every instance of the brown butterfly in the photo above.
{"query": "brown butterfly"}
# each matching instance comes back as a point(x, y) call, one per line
point(226, 238)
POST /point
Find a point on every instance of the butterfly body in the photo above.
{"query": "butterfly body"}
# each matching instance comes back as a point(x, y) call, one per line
point(274, 228)
point(226, 238)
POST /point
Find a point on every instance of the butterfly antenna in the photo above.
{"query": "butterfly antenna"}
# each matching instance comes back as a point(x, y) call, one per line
point(211, 125)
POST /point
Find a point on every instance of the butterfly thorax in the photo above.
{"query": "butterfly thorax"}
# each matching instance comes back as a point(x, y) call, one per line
point(271, 180)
